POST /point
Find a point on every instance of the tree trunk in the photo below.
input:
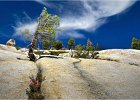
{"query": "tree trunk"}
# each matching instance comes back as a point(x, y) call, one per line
point(31, 47)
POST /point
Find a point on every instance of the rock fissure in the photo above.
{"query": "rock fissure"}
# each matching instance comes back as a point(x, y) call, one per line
point(96, 89)
point(34, 90)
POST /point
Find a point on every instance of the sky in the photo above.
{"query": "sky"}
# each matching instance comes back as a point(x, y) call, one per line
point(110, 23)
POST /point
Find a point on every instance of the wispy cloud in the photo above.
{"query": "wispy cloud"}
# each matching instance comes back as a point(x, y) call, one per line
point(31, 26)
point(24, 23)
point(68, 34)
point(46, 3)
point(94, 14)
point(85, 15)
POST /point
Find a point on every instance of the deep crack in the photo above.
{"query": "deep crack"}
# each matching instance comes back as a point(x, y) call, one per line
point(34, 90)
point(96, 89)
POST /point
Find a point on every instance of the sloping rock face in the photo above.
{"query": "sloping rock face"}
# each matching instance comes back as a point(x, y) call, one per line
point(128, 56)
point(114, 75)
point(63, 81)
point(14, 74)
point(117, 80)
point(8, 48)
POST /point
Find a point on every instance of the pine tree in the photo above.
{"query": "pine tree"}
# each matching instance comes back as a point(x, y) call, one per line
point(47, 24)
point(134, 44)
point(57, 45)
point(139, 44)
point(97, 47)
point(71, 43)
point(89, 45)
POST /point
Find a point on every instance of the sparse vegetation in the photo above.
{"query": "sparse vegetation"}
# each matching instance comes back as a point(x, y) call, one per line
point(135, 43)
point(17, 47)
point(90, 46)
point(57, 45)
point(97, 48)
point(81, 52)
point(34, 91)
point(79, 48)
point(47, 26)
point(71, 43)
point(46, 44)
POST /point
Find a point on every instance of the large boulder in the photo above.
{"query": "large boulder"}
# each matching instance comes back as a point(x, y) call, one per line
point(11, 42)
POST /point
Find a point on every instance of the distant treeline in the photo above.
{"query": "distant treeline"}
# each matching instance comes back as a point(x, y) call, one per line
point(56, 44)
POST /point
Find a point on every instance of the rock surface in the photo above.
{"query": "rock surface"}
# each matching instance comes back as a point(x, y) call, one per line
point(14, 74)
point(8, 48)
point(115, 75)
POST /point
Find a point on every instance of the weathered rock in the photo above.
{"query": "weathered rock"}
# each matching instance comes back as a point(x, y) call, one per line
point(8, 48)
point(11, 42)
point(129, 56)
point(14, 74)
point(64, 55)
point(115, 75)
point(46, 52)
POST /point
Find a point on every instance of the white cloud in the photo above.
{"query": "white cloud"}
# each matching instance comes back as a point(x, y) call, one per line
point(22, 26)
point(68, 34)
point(93, 14)
point(45, 2)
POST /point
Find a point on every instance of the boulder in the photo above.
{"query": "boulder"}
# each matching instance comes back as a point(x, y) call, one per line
point(11, 42)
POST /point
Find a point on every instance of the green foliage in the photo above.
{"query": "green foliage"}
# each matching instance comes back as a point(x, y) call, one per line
point(84, 54)
point(88, 53)
point(97, 48)
point(79, 48)
point(135, 43)
point(46, 44)
point(47, 23)
point(71, 43)
point(90, 46)
point(17, 47)
point(34, 90)
point(47, 26)
point(139, 44)
point(57, 45)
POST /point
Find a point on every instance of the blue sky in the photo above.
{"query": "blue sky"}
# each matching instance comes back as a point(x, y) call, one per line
point(111, 23)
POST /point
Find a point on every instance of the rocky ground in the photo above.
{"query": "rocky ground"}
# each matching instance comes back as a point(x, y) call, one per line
point(14, 73)
point(115, 75)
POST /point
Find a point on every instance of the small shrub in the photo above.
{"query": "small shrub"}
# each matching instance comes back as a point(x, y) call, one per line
point(71, 43)
point(86, 54)
point(17, 47)
point(57, 45)
point(34, 91)
point(135, 43)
